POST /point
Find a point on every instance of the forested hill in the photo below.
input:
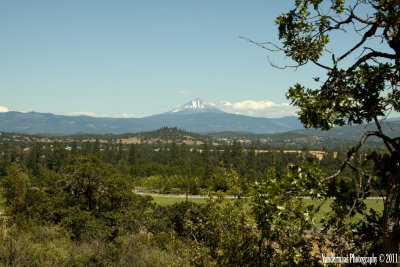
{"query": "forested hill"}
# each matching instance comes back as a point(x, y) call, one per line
point(203, 122)
point(167, 135)
point(390, 127)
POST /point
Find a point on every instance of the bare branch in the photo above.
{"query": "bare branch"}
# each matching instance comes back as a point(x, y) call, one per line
point(351, 152)
point(279, 49)
point(321, 65)
point(354, 206)
point(284, 67)
point(369, 56)
point(366, 35)
point(378, 125)
point(263, 45)
point(340, 23)
point(365, 21)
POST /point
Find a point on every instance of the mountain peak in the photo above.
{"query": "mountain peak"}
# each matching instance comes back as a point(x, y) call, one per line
point(197, 105)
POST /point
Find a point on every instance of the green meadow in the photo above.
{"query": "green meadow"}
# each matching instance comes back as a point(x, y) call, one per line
point(376, 204)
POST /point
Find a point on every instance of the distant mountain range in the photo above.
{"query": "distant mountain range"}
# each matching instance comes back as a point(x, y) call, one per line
point(391, 127)
point(195, 116)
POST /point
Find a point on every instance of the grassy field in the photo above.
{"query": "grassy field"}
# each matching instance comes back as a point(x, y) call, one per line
point(376, 204)
point(170, 200)
point(161, 200)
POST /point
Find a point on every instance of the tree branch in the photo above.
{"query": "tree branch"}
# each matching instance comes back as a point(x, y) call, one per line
point(321, 65)
point(339, 23)
point(351, 153)
point(263, 45)
point(280, 49)
point(364, 21)
point(354, 149)
point(369, 56)
point(378, 125)
point(366, 35)
point(284, 67)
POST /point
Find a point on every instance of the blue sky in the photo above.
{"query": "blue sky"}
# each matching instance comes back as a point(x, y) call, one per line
point(138, 58)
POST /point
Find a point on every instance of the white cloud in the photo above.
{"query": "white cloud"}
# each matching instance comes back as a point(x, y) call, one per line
point(254, 105)
point(262, 108)
point(94, 114)
point(126, 115)
point(4, 109)
point(83, 113)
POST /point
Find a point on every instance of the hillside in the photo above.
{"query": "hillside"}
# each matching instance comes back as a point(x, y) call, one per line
point(354, 132)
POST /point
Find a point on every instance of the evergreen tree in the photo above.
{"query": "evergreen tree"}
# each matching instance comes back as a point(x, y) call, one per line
point(15, 186)
point(132, 154)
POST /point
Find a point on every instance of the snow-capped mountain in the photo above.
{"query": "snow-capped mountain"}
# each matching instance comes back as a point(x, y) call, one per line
point(195, 116)
point(197, 105)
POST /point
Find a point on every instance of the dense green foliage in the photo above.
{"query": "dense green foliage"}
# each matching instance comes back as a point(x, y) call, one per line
point(72, 202)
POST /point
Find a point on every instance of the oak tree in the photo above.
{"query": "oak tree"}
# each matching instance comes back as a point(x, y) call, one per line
point(360, 84)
